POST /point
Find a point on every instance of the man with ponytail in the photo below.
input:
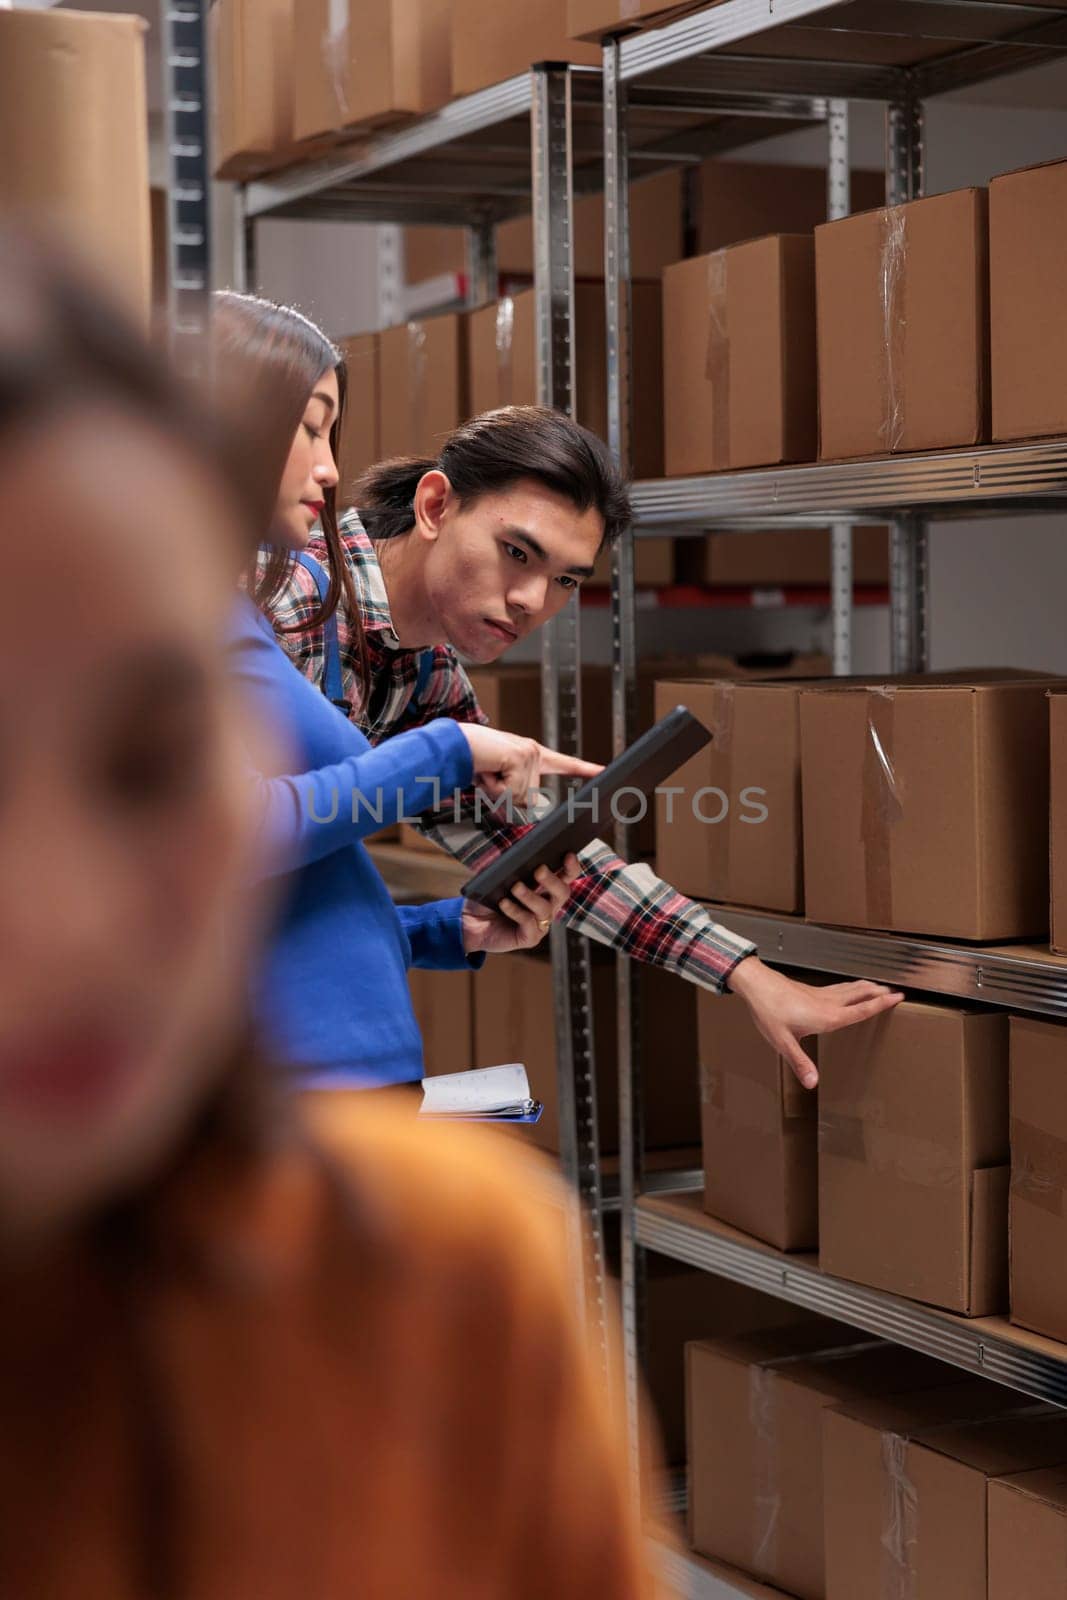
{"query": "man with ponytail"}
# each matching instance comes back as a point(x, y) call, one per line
point(465, 555)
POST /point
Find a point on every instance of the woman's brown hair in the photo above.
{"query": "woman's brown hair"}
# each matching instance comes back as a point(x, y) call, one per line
point(277, 354)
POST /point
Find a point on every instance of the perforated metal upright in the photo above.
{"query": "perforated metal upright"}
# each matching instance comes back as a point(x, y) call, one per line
point(188, 180)
point(553, 206)
point(839, 184)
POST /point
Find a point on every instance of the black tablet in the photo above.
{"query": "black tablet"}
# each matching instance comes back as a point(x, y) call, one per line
point(618, 794)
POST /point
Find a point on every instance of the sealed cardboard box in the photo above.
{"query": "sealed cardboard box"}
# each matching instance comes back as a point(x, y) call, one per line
point(739, 357)
point(444, 1010)
point(368, 62)
point(683, 1304)
point(759, 1129)
point(503, 364)
point(1028, 1536)
point(360, 444)
point(423, 385)
point(754, 1409)
point(654, 564)
point(251, 53)
point(907, 1480)
point(1027, 260)
point(924, 804)
point(514, 1013)
point(1038, 1219)
point(903, 316)
point(1057, 704)
point(74, 133)
point(491, 42)
point(737, 200)
point(790, 557)
point(913, 1156)
point(733, 834)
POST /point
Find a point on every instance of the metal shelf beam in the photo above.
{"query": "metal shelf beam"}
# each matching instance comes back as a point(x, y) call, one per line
point(973, 482)
point(989, 1346)
point(1024, 977)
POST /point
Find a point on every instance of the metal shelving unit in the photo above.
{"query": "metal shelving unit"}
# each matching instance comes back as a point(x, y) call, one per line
point(898, 52)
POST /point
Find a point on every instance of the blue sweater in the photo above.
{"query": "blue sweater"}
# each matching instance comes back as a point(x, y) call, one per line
point(331, 995)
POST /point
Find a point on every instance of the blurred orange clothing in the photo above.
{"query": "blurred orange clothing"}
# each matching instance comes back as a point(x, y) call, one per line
point(369, 1388)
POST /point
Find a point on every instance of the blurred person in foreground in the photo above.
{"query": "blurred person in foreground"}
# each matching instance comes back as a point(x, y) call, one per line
point(239, 1356)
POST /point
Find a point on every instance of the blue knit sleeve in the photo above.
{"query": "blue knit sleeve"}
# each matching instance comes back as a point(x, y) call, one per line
point(435, 933)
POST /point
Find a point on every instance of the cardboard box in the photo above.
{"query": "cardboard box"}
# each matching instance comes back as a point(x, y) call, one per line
point(749, 776)
point(654, 564)
point(737, 200)
point(369, 62)
point(444, 1010)
point(514, 1013)
point(1038, 1219)
point(1057, 704)
point(913, 1156)
point(1028, 1536)
point(360, 444)
point(423, 385)
point(1027, 261)
point(739, 357)
point(923, 805)
point(759, 1130)
point(503, 364)
point(251, 54)
point(906, 1485)
point(903, 318)
point(594, 19)
point(491, 42)
point(754, 1408)
point(656, 237)
point(74, 133)
point(683, 1304)
point(789, 557)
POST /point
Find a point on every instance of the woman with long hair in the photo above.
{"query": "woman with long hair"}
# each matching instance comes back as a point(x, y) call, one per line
point(237, 1357)
point(333, 995)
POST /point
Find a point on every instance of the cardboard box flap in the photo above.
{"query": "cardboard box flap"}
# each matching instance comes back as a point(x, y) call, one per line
point(1033, 166)
point(1047, 1484)
point(799, 1341)
point(1020, 1438)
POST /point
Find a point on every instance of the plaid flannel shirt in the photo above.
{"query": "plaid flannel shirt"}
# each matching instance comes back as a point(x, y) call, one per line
point(624, 906)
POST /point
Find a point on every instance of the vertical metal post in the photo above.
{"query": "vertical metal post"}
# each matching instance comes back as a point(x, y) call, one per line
point(838, 204)
point(908, 595)
point(391, 306)
point(909, 561)
point(623, 706)
point(553, 204)
point(188, 181)
point(482, 278)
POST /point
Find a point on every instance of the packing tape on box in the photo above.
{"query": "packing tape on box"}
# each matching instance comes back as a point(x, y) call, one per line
point(720, 833)
point(743, 1102)
point(894, 253)
point(417, 424)
point(718, 359)
point(335, 55)
point(881, 807)
point(907, 1156)
point(505, 339)
point(767, 1505)
point(900, 1521)
point(1038, 1167)
point(629, 10)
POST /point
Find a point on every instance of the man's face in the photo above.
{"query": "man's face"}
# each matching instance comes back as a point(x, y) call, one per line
point(504, 564)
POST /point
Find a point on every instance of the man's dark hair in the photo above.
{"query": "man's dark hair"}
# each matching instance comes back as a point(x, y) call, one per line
point(491, 453)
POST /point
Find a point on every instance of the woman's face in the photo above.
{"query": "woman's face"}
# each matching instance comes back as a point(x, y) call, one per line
point(310, 469)
point(121, 793)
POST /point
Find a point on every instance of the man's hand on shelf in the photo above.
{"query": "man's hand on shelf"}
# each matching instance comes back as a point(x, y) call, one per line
point(786, 1011)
